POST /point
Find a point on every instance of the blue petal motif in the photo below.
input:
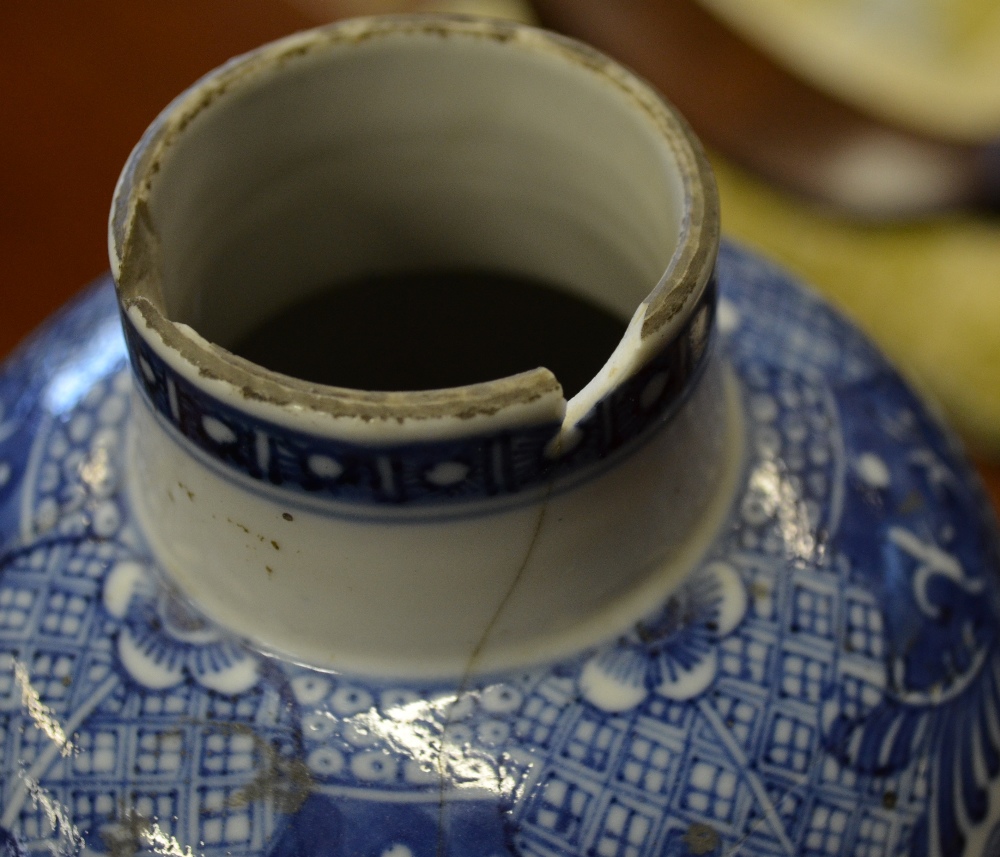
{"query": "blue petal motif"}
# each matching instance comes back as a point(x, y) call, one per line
point(674, 652)
point(162, 641)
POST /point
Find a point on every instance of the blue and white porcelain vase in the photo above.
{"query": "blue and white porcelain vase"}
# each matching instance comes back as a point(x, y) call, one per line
point(737, 595)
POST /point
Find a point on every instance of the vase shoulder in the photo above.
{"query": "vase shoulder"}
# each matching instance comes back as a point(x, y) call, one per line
point(824, 681)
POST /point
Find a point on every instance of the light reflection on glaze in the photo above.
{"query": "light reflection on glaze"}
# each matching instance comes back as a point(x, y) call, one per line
point(134, 831)
point(96, 471)
point(426, 732)
point(70, 840)
point(164, 843)
point(778, 497)
point(95, 360)
point(40, 713)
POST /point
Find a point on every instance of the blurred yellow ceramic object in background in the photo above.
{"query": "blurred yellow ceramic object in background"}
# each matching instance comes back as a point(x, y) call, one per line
point(929, 292)
point(932, 65)
point(512, 10)
point(324, 10)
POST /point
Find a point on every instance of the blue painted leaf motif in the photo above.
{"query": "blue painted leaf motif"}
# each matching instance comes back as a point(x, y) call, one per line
point(944, 648)
point(940, 630)
point(962, 741)
point(674, 652)
point(935, 694)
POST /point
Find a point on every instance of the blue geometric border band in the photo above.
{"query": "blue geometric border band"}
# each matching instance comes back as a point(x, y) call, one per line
point(433, 472)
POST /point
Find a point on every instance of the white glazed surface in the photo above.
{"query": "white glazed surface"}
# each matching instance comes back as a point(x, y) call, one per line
point(523, 581)
point(375, 147)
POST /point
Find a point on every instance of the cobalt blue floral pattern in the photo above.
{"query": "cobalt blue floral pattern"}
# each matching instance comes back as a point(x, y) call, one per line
point(674, 652)
point(827, 682)
point(163, 641)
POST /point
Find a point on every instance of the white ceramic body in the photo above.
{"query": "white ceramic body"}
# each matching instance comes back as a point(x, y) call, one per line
point(524, 581)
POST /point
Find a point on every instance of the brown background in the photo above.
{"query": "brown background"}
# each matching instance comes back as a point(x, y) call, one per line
point(80, 81)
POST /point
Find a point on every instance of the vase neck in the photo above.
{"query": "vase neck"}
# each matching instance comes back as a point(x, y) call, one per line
point(334, 523)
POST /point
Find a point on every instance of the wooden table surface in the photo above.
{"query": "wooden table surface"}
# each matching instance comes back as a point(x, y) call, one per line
point(80, 81)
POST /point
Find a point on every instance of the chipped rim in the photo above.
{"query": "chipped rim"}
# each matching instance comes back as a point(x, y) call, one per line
point(527, 398)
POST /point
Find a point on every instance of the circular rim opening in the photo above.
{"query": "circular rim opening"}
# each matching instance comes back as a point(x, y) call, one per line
point(135, 246)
